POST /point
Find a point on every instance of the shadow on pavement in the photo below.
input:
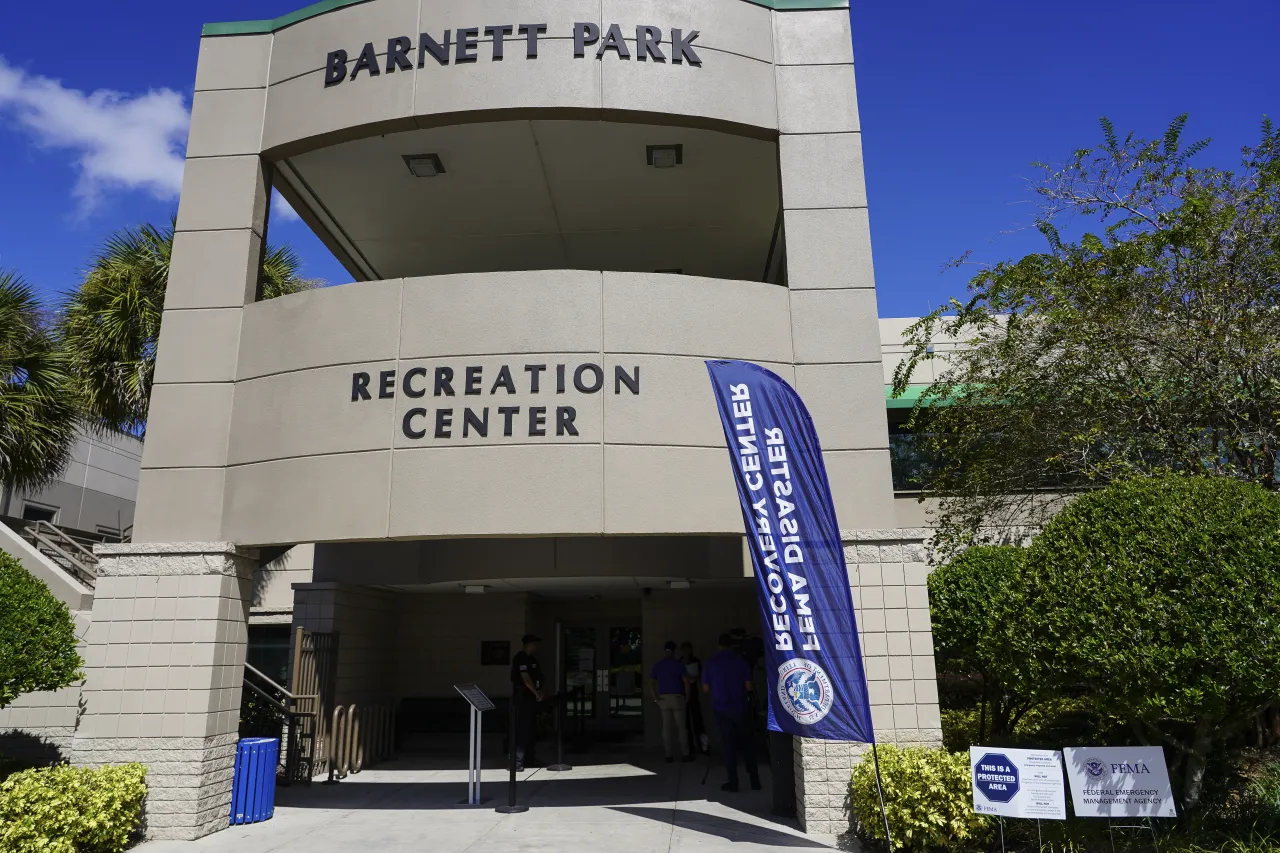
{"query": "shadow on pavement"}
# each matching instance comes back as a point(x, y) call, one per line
point(722, 827)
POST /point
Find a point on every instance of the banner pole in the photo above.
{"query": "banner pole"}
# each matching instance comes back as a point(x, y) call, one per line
point(875, 757)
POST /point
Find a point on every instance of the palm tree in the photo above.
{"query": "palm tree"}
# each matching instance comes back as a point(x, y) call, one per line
point(38, 415)
point(111, 324)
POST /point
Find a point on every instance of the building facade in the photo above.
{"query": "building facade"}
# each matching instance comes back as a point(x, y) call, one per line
point(505, 425)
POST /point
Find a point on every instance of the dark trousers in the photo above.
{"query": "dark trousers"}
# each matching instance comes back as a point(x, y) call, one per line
point(735, 740)
point(525, 707)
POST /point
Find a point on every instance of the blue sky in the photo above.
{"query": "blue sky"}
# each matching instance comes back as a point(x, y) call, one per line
point(956, 100)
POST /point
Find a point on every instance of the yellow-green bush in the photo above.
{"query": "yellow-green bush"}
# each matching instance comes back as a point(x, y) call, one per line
point(71, 809)
point(927, 797)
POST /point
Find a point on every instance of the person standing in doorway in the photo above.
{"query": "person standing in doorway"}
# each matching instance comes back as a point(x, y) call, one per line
point(669, 686)
point(526, 686)
point(695, 724)
point(727, 679)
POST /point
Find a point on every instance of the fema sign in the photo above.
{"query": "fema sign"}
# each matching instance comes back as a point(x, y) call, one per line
point(996, 777)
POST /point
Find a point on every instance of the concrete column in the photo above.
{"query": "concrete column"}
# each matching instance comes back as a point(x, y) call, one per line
point(164, 666)
point(888, 576)
point(834, 328)
point(217, 251)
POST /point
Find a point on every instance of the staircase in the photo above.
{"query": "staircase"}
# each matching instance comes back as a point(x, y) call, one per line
point(64, 551)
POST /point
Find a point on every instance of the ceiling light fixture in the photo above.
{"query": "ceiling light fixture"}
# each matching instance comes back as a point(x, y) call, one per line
point(474, 589)
point(664, 156)
point(424, 165)
point(680, 584)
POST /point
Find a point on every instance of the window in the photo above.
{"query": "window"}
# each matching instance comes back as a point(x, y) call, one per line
point(36, 512)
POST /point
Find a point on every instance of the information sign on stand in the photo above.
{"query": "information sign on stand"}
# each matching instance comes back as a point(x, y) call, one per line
point(479, 703)
point(1023, 783)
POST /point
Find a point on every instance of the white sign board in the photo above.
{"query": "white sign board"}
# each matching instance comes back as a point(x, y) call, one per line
point(1018, 782)
point(1119, 781)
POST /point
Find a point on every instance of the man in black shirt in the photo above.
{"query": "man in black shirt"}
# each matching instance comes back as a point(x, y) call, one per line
point(526, 684)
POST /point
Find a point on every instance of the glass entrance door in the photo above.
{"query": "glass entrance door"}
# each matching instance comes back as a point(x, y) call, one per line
point(603, 678)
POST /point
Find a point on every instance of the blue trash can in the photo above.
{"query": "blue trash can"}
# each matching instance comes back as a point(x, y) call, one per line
point(253, 786)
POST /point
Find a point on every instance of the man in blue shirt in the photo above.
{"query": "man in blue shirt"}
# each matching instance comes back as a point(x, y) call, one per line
point(726, 676)
point(669, 686)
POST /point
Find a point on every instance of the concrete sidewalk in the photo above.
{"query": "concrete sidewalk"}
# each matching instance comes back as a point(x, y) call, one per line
point(412, 804)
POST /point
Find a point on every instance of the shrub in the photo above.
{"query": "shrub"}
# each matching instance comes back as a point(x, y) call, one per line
point(977, 589)
point(71, 809)
point(1156, 598)
point(37, 635)
point(927, 798)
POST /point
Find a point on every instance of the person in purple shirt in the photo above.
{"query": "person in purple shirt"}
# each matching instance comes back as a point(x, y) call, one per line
point(726, 676)
point(669, 686)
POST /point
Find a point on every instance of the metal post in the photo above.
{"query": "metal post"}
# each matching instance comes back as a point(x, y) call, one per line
point(512, 807)
point(1002, 834)
point(559, 766)
point(471, 762)
point(875, 757)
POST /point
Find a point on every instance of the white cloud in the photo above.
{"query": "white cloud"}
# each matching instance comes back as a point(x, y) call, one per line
point(282, 208)
point(121, 142)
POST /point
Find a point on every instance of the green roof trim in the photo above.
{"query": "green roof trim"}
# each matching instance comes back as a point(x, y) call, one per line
point(248, 28)
point(908, 399)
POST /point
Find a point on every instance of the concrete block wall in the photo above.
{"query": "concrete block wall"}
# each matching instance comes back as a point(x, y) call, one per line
point(164, 668)
point(888, 576)
point(365, 620)
point(41, 726)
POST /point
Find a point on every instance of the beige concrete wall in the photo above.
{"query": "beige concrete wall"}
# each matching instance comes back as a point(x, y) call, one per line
point(42, 726)
point(734, 84)
point(646, 463)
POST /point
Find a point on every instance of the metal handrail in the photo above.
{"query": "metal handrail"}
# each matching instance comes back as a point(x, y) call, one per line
point(290, 753)
point(284, 690)
point(65, 537)
point(82, 567)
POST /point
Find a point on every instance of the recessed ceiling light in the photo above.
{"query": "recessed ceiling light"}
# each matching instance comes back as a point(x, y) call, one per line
point(664, 156)
point(424, 165)
point(474, 589)
point(680, 584)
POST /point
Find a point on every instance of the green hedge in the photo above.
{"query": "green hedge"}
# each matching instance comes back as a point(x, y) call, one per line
point(72, 809)
point(927, 798)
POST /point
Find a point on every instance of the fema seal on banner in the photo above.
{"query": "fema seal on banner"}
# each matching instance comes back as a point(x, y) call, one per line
point(804, 690)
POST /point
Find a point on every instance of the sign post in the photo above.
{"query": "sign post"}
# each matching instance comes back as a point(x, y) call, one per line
point(1023, 783)
point(479, 704)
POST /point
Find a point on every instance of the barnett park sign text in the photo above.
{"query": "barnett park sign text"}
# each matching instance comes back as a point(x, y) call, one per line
point(463, 46)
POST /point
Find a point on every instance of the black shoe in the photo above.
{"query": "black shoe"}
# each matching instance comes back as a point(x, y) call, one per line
point(731, 787)
point(670, 759)
point(688, 759)
point(519, 768)
point(755, 783)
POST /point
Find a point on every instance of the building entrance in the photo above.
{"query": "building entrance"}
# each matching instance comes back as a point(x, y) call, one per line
point(602, 679)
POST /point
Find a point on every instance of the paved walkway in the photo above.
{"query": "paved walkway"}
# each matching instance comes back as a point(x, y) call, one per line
point(411, 805)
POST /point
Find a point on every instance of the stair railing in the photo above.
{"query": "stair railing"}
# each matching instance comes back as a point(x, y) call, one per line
point(59, 547)
point(299, 752)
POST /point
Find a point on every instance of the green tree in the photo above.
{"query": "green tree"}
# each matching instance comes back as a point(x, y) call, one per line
point(1159, 598)
point(37, 412)
point(111, 324)
point(37, 636)
point(970, 597)
point(1152, 346)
